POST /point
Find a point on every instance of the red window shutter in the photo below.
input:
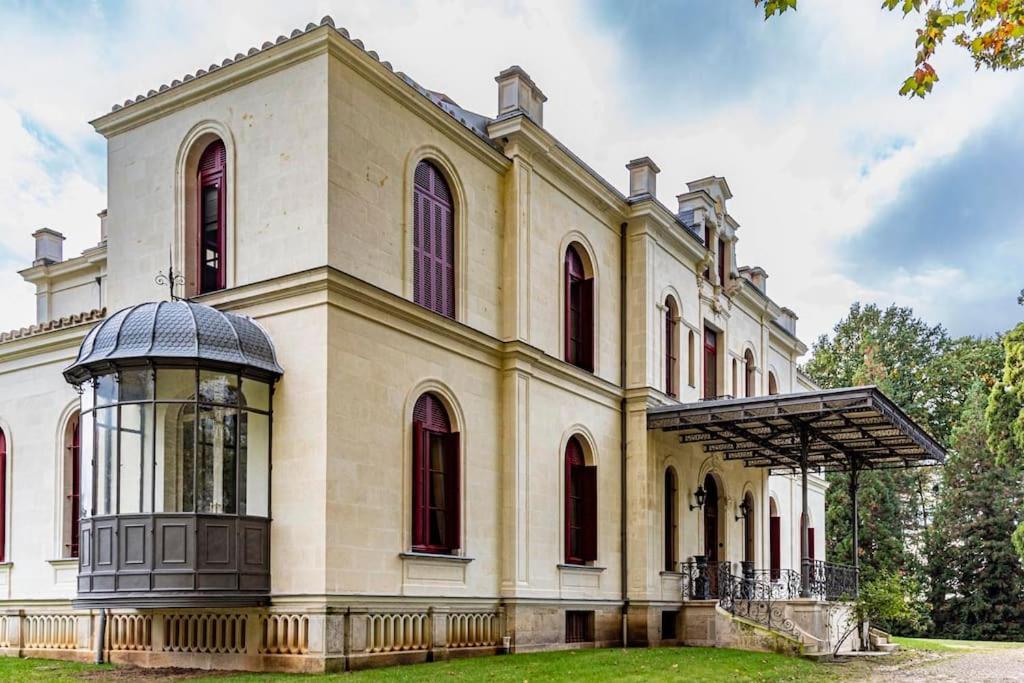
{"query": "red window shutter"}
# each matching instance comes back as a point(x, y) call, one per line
point(810, 542)
point(586, 334)
point(775, 534)
point(710, 363)
point(211, 227)
point(589, 536)
point(3, 497)
point(721, 262)
point(419, 484)
point(452, 485)
point(433, 241)
point(570, 355)
point(74, 503)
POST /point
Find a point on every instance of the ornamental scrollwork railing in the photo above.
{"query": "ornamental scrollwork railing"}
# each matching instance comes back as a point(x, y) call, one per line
point(758, 596)
point(831, 581)
point(701, 578)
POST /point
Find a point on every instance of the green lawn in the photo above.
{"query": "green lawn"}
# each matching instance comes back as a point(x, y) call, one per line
point(943, 645)
point(661, 664)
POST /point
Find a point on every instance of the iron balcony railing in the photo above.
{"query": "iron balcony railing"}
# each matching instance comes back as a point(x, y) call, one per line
point(704, 580)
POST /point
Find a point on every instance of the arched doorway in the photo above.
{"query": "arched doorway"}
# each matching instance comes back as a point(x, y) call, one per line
point(774, 540)
point(711, 530)
point(748, 528)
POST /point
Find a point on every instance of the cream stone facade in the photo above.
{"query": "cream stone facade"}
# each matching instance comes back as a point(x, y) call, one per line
point(322, 142)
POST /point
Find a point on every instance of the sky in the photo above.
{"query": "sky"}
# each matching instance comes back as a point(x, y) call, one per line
point(844, 190)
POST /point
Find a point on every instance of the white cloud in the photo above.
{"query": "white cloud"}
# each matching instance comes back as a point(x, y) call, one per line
point(812, 157)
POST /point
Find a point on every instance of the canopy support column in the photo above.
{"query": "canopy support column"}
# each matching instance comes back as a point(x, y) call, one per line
point(805, 517)
point(855, 514)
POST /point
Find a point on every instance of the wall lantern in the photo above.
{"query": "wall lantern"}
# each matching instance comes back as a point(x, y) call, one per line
point(744, 509)
point(699, 496)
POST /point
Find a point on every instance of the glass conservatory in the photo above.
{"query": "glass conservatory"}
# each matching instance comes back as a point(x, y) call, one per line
point(176, 421)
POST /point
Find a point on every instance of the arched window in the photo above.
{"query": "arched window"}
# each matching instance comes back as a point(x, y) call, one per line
point(433, 241)
point(773, 384)
point(435, 480)
point(671, 520)
point(748, 527)
point(748, 374)
point(692, 360)
point(580, 506)
point(212, 233)
point(710, 363)
point(72, 486)
point(3, 496)
point(579, 312)
point(671, 347)
point(735, 378)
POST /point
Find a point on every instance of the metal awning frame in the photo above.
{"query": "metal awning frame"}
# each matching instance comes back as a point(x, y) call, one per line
point(833, 430)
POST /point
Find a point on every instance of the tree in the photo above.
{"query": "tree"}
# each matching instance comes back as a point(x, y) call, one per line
point(991, 31)
point(1005, 413)
point(978, 586)
point(929, 375)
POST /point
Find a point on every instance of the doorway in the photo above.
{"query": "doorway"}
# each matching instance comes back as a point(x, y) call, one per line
point(711, 542)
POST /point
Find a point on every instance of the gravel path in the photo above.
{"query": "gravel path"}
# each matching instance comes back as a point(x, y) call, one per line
point(977, 667)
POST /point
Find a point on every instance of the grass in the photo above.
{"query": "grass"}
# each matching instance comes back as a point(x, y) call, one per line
point(657, 664)
point(15, 669)
point(945, 645)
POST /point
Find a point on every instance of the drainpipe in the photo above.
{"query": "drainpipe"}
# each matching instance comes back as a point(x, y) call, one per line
point(622, 437)
point(101, 636)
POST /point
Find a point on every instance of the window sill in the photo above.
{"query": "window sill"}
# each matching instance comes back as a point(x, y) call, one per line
point(458, 559)
point(585, 568)
point(64, 562)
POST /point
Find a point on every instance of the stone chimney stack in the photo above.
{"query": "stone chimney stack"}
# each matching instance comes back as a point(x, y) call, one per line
point(103, 226)
point(643, 176)
point(517, 92)
point(49, 247)
point(757, 276)
point(788, 320)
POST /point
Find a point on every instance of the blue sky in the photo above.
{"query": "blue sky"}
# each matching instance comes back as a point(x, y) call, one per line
point(844, 191)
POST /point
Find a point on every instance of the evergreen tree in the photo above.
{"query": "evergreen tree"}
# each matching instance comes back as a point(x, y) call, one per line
point(1005, 413)
point(977, 578)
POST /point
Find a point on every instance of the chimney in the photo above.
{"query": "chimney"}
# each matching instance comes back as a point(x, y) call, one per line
point(757, 276)
point(643, 176)
point(788, 320)
point(518, 93)
point(103, 226)
point(49, 247)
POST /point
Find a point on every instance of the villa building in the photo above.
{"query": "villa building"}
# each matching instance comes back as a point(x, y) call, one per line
point(356, 376)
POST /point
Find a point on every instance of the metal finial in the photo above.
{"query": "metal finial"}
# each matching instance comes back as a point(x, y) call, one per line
point(171, 278)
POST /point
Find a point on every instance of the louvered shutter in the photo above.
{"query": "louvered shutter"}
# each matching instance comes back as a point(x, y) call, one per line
point(586, 333)
point(452, 485)
point(419, 484)
point(810, 542)
point(589, 530)
point(570, 355)
point(3, 496)
point(433, 241)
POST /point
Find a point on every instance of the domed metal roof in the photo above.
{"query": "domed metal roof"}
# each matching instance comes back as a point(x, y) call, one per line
point(178, 330)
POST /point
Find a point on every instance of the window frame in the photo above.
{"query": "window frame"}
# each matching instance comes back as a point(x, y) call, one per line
point(749, 374)
point(710, 347)
point(428, 437)
point(671, 348)
point(4, 457)
point(216, 178)
point(671, 520)
point(578, 323)
point(581, 486)
point(433, 290)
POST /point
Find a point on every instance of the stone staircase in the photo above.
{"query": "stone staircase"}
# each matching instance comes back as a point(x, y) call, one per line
point(880, 642)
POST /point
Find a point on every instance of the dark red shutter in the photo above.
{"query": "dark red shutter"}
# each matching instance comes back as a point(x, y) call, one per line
point(589, 536)
point(721, 262)
point(710, 363)
point(810, 542)
point(452, 486)
point(419, 484)
point(775, 536)
point(586, 334)
point(211, 204)
point(433, 241)
point(570, 354)
point(74, 503)
point(3, 496)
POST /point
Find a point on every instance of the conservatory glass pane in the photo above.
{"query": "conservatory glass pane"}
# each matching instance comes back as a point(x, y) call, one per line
point(254, 461)
point(175, 385)
point(106, 458)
